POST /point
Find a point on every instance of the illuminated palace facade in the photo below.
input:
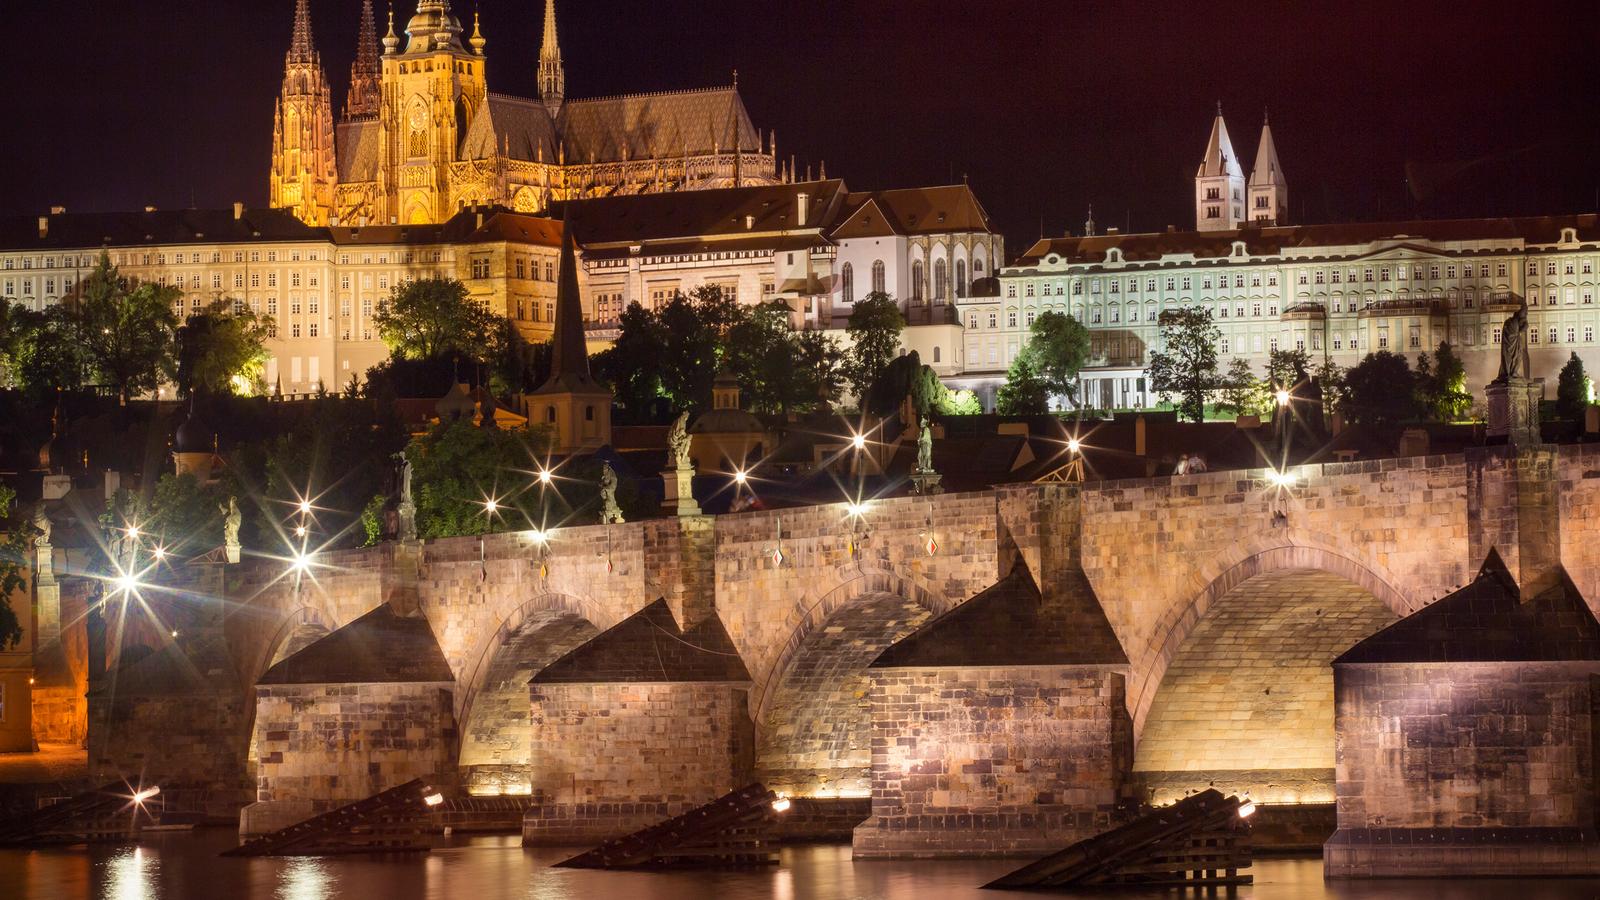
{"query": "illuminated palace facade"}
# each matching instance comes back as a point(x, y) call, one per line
point(1335, 291)
point(421, 136)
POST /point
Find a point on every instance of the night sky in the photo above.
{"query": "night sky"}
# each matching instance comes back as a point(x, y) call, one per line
point(1380, 109)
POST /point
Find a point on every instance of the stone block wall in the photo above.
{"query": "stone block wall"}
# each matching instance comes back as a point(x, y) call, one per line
point(1451, 767)
point(192, 745)
point(993, 761)
point(608, 759)
point(334, 743)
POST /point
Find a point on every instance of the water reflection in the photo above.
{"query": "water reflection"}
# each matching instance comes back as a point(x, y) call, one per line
point(305, 878)
point(497, 868)
point(131, 875)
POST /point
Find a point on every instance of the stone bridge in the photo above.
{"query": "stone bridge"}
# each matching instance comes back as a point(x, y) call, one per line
point(697, 653)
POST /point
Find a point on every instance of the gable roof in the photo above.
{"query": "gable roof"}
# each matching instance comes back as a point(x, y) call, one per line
point(944, 209)
point(660, 125)
point(168, 226)
point(356, 146)
point(648, 646)
point(380, 647)
point(513, 125)
point(1488, 621)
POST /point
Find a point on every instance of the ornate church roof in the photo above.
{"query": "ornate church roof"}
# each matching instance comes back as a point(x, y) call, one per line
point(515, 126)
point(356, 148)
point(664, 125)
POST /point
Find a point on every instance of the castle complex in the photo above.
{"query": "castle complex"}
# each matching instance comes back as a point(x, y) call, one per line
point(421, 136)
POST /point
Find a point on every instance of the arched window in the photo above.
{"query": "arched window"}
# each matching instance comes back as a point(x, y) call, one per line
point(916, 281)
point(419, 143)
point(847, 281)
point(941, 280)
point(936, 354)
point(961, 278)
point(877, 276)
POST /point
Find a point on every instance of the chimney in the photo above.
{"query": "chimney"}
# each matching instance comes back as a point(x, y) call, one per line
point(749, 222)
point(1113, 231)
point(149, 209)
point(238, 211)
point(480, 219)
point(1138, 436)
point(58, 210)
point(44, 226)
point(1172, 229)
point(802, 202)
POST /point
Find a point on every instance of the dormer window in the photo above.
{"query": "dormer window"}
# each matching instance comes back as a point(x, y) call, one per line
point(1569, 235)
point(1238, 248)
point(1113, 255)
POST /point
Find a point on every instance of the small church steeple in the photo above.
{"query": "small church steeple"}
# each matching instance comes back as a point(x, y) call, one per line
point(1219, 183)
point(1269, 192)
point(572, 404)
point(552, 77)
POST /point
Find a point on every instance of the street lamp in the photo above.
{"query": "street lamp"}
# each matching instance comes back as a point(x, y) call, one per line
point(1283, 397)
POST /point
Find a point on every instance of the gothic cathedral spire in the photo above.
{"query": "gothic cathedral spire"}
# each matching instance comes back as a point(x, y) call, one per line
point(552, 78)
point(1269, 192)
point(365, 79)
point(303, 168)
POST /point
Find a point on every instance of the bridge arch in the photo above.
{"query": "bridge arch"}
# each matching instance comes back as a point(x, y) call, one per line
point(492, 701)
point(298, 629)
point(813, 727)
point(1239, 693)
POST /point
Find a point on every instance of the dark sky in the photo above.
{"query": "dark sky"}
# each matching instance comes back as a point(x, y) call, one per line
point(1046, 106)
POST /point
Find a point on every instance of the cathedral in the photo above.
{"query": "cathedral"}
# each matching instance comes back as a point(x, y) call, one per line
point(422, 137)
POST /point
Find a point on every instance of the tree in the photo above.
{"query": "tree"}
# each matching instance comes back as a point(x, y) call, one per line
point(818, 369)
point(632, 364)
point(433, 316)
point(1241, 392)
point(761, 353)
point(16, 323)
point(1330, 382)
point(1286, 369)
point(14, 565)
point(1572, 391)
point(1381, 390)
point(874, 329)
point(693, 329)
point(222, 348)
point(960, 403)
point(1186, 364)
point(457, 467)
point(181, 515)
point(1059, 345)
point(1444, 386)
point(50, 357)
point(1025, 392)
point(126, 330)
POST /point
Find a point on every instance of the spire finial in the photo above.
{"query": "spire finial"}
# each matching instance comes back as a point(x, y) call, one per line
point(477, 40)
point(1265, 119)
point(391, 41)
point(301, 47)
point(736, 79)
point(552, 76)
point(1219, 107)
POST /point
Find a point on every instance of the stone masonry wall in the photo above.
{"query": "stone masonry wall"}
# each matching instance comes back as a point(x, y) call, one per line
point(333, 743)
point(1465, 745)
point(611, 758)
point(1158, 551)
point(192, 745)
point(993, 761)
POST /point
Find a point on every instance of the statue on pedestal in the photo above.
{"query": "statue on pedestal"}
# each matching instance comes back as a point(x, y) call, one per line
point(678, 443)
point(1514, 346)
point(231, 521)
point(924, 480)
point(610, 512)
point(41, 524)
point(406, 513)
point(1514, 395)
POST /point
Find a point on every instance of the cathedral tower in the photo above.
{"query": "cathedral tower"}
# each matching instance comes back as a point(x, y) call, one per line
point(303, 169)
point(1219, 183)
point(552, 78)
point(1269, 193)
point(366, 83)
point(432, 90)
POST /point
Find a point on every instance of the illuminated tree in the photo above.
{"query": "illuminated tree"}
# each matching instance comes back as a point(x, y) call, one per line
point(1186, 365)
point(125, 330)
point(222, 348)
point(874, 329)
point(433, 316)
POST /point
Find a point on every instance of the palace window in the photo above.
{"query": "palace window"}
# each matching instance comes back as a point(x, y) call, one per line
point(480, 267)
point(272, 279)
point(311, 330)
point(549, 270)
point(993, 320)
point(294, 330)
point(255, 279)
point(1224, 346)
point(1011, 320)
point(961, 278)
point(1533, 335)
point(917, 279)
point(1552, 334)
point(294, 279)
point(847, 283)
point(1550, 267)
point(878, 276)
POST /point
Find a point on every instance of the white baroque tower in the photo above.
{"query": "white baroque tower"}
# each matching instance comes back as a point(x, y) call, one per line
point(1269, 193)
point(303, 169)
point(1219, 184)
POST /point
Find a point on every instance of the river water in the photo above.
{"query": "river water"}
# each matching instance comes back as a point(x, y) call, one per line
point(186, 867)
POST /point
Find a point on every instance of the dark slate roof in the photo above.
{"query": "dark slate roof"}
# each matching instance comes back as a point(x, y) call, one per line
point(1486, 621)
point(1010, 624)
point(636, 218)
point(513, 124)
point(908, 211)
point(173, 226)
point(379, 647)
point(658, 125)
point(649, 647)
point(1261, 241)
point(356, 142)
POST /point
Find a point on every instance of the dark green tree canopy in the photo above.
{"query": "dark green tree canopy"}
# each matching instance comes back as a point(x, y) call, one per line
point(1059, 347)
point(1026, 392)
point(1185, 366)
point(226, 341)
point(435, 316)
point(874, 329)
point(126, 329)
point(1380, 390)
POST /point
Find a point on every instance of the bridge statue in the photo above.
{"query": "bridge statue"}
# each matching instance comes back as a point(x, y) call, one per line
point(1514, 395)
point(678, 442)
point(678, 478)
point(41, 524)
point(924, 480)
point(231, 520)
point(610, 512)
point(1514, 346)
point(406, 513)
